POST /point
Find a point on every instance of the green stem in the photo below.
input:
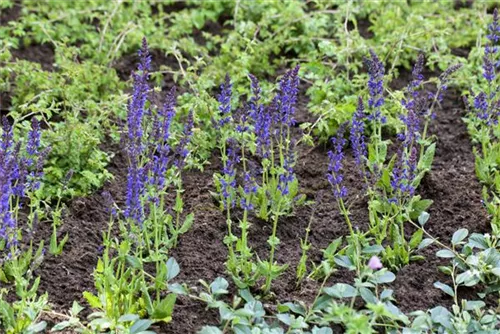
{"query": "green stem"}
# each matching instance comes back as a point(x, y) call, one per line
point(346, 214)
point(230, 242)
point(273, 247)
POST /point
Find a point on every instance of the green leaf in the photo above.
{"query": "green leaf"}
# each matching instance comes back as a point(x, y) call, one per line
point(467, 278)
point(381, 277)
point(60, 326)
point(368, 296)
point(140, 325)
point(445, 288)
point(441, 316)
point(445, 253)
point(134, 262)
point(341, 290)
point(128, 318)
point(419, 207)
point(178, 289)
point(163, 311)
point(478, 240)
point(173, 268)
point(426, 242)
point(472, 305)
point(423, 218)
point(38, 327)
point(373, 249)
point(459, 235)
point(219, 286)
point(3, 277)
point(496, 271)
point(93, 301)
point(426, 162)
point(344, 261)
point(76, 308)
point(322, 330)
point(416, 239)
point(188, 222)
point(210, 330)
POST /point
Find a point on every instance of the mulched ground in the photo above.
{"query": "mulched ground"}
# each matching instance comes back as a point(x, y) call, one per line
point(452, 185)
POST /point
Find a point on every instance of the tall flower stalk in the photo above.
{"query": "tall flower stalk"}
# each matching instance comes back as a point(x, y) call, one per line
point(483, 108)
point(151, 167)
point(271, 194)
point(376, 100)
point(391, 185)
point(335, 176)
point(21, 173)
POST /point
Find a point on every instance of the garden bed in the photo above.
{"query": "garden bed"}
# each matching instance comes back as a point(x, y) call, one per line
point(460, 199)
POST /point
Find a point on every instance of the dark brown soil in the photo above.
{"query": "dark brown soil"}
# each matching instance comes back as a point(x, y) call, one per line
point(463, 4)
point(37, 53)
point(461, 52)
point(10, 14)
point(85, 220)
point(363, 26)
point(125, 65)
point(5, 103)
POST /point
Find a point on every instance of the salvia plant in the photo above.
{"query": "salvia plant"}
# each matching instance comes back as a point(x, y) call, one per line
point(151, 222)
point(154, 167)
point(390, 185)
point(475, 258)
point(482, 122)
point(21, 172)
point(263, 133)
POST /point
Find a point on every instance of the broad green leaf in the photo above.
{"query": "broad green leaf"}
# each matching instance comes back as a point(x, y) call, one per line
point(173, 268)
point(459, 235)
point(341, 290)
point(426, 242)
point(140, 325)
point(163, 311)
point(445, 253)
point(423, 218)
point(445, 288)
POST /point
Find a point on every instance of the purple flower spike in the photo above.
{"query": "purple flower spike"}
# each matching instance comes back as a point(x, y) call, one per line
point(494, 29)
point(33, 138)
point(491, 49)
point(357, 136)
point(287, 175)
point(335, 166)
point(182, 148)
point(19, 172)
point(444, 78)
point(249, 188)
point(376, 73)
point(224, 99)
point(262, 120)
point(286, 98)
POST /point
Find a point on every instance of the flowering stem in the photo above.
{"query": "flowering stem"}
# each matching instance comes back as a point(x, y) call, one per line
point(345, 212)
point(232, 258)
point(273, 243)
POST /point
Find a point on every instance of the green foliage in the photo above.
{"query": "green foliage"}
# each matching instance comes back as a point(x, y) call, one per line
point(22, 316)
point(124, 294)
point(75, 103)
point(75, 147)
